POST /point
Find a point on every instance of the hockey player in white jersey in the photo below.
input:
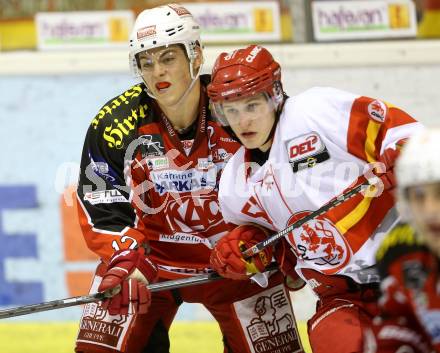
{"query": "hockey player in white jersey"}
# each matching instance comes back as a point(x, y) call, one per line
point(299, 153)
point(408, 259)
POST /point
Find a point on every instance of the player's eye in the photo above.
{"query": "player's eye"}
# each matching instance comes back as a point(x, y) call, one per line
point(231, 111)
point(168, 58)
point(147, 64)
point(252, 107)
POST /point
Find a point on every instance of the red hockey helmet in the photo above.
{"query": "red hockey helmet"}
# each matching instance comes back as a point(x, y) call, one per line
point(244, 73)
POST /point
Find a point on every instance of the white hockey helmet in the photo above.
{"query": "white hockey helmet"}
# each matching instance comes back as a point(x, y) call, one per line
point(419, 162)
point(162, 26)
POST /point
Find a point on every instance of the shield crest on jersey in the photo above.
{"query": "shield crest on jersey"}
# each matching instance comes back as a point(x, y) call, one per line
point(319, 243)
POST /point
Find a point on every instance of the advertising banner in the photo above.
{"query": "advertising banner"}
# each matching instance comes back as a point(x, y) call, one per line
point(372, 19)
point(76, 30)
point(233, 22)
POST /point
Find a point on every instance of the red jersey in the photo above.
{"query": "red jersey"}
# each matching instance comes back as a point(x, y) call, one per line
point(409, 283)
point(143, 183)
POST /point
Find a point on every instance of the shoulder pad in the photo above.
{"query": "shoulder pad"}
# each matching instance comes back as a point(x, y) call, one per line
point(118, 121)
point(120, 105)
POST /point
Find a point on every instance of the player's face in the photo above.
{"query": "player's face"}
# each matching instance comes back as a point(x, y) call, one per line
point(251, 119)
point(424, 201)
point(166, 73)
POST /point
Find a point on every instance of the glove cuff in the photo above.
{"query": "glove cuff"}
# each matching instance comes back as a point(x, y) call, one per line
point(147, 268)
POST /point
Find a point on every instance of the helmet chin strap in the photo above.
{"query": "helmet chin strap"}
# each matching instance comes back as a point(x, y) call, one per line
point(275, 122)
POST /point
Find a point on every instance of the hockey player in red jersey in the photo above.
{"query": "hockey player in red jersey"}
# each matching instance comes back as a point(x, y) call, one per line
point(408, 258)
point(148, 204)
point(299, 153)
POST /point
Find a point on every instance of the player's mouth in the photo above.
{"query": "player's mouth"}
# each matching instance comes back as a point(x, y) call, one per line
point(248, 134)
point(163, 86)
point(434, 228)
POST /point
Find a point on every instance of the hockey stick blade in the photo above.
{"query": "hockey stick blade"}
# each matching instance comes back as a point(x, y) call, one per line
point(333, 203)
point(84, 299)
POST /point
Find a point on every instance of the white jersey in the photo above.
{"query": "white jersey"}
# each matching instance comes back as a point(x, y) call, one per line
point(323, 142)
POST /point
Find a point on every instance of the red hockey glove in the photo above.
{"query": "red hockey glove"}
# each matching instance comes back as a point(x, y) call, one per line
point(395, 334)
point(226, 257)
point(128, 273)
point(388, 158)
point(287, 261)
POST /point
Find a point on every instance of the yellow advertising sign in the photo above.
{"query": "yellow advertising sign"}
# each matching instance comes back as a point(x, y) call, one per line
point(119, 29)
point(17, 34)
point(263, 20)
point(399, 16)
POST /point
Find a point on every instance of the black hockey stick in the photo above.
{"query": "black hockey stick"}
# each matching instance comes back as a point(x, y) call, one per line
point(331, 204)
point(84, 299)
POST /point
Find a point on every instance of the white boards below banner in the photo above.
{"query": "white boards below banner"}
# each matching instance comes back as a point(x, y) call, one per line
point(363, 19)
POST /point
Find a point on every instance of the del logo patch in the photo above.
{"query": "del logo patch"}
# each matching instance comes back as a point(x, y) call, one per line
point(306, 151)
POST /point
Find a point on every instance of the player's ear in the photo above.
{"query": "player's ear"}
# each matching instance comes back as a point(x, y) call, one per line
point(198, 61)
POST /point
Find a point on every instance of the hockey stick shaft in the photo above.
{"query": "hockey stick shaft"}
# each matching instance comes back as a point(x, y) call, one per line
point(92, 298)
point(84, 299)
point(51, 305)
point(333, 203)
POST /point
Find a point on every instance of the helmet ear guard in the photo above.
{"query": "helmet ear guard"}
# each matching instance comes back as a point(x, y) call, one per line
point(278, 94)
